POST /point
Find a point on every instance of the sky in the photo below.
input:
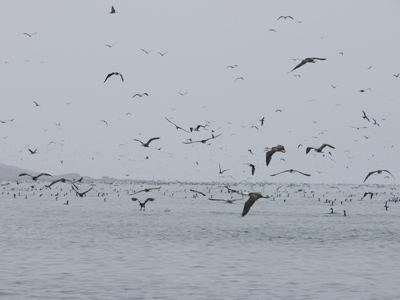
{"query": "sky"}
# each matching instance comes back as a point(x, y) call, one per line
point(63, 67)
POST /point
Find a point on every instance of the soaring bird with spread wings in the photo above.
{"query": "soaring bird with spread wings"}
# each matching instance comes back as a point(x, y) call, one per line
point(249, 203)
point(307, 60)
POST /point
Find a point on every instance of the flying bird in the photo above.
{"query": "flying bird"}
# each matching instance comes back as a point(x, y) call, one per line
point(83, 193)
point(148, 142)
point(379, 172)
point(291, 171)
point(307, 60)
point(231, 201)
point(176, 126)
point(198, 192)
point(222, 171)
point(231, 67)
point(146, 190)
point(319, 150)
point(113, 11)
point(63, 180)
point(140, 95)
point(114, 73)
point(371, 194)
point(285, 17)
point(203, 141)
point(32, 151)
point(37, 104)
point(249, 203)
point(253, 168)
point(143, 205)
point(365, 116)
point(145, 51)
point(34, 178)
point(110, 46)
point(162, 54)
point(104, 121)
point(269, 154)
point(262, 121)
point(30, 35)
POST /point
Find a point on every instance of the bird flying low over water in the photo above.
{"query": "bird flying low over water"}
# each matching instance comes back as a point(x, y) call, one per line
point(319, 150)
point(291, 171)
point(269, 154)
point(378, 172)
point(253, 168)
point(63, 180)
point(114, 73)
point(34, 178)
point(146, 190)
point(222, 171)
point(307, 60)
point(225, 200)
point(148, 142)
point(198, 192)
point(83, 193)
point(249, 203)
point(143, 205)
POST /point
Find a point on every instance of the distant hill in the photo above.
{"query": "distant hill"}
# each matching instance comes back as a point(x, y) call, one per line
point(9, 172)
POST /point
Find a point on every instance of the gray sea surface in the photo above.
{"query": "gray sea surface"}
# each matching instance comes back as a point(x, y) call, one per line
point(184, 246)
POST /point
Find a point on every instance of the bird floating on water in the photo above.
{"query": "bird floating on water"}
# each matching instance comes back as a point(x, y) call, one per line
point(249, 203)
point(307, 60)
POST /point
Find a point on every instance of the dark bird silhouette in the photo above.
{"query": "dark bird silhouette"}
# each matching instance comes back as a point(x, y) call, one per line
point(114, 73)
point(253, 168)
point(32, 151)
point(182, 94)
point(197, 128)
point(237, 78)
point(30, 35)
point(396, 75)
point(375, 123)
point(140, 95)
point(386, 206)
point(285, 17)
point(222, 171)
point(34, 178)
point(162, 54)
point(113, 11)
point(269, 154)
point(291, 171)
point(262, 121)
point(231, 201)
point(307, 60)
point(176, 126)
point(83, 193)
point(143, 205)
point(371, 194)
point(358, 128)
point(365, 116)
point(63, 180)
point(198, 192)
point(249, 203)
point(231, 67)
point(378, 172)
point(146, 190)
point(203, 141)
point(148, 142)
point(319, 150)
point(104, 121)
point(37, 104)
point(110, 46)
point(145, 51)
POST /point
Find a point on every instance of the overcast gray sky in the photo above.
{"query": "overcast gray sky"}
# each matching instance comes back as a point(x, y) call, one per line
point(63, 67)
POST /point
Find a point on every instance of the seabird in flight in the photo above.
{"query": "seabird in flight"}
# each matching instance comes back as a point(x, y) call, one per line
point(307, 60)
point(30, 35)
point(285, 17)
point(146, 190)
point(148, 142)
point(291, 171)
point(143, 205)
point(222, 171)
point(249, 203)
point(379, 172)
point(319, 150)
point(34, 178)
point(114, 73)
point(113, 11)
point(176, 126)
point(269, 154)
point(140, 95)
point(203, 141)
point(253, 168)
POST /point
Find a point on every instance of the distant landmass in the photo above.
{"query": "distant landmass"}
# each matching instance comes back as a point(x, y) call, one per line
point(12, 173)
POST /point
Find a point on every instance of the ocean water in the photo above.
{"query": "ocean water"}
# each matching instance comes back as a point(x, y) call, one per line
point(184, 246)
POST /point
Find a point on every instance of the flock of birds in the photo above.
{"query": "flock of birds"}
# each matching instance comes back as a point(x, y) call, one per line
point(270, 151)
